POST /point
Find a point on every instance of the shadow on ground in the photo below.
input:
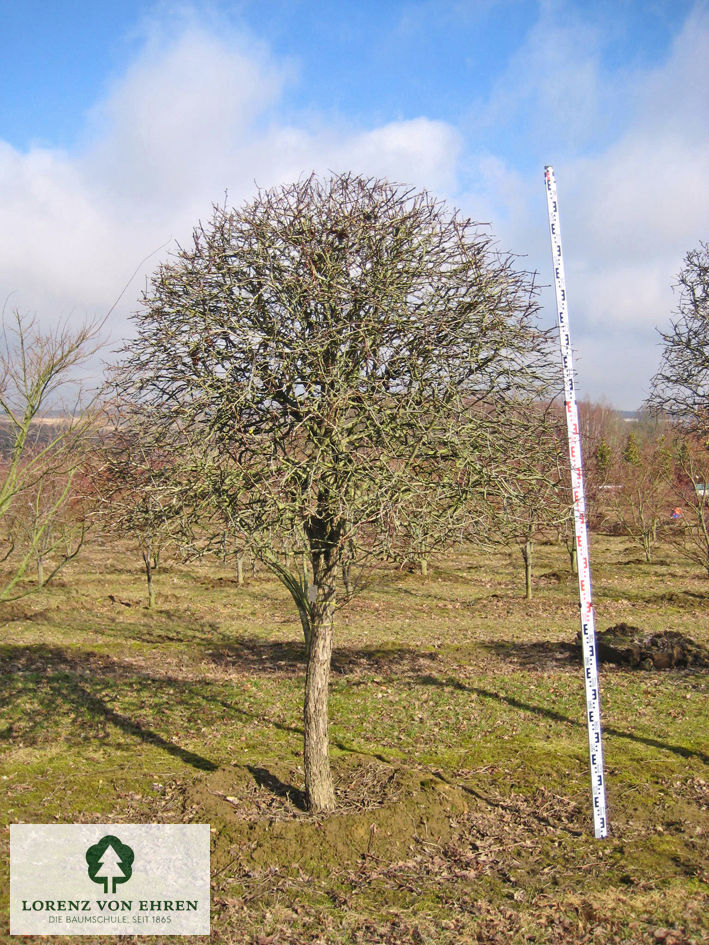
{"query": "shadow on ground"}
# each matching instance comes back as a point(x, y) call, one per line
point(52, 680)
point(42, 683)
point(558, 717)
point(271, 782)
point(255, 655)
point(541, 655)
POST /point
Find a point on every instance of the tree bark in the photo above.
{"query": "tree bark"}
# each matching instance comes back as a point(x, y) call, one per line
point(347, 584)
point(424, 567)
point(647, 546)
point(148, 562)
point(319, 789)
point(240, 570)
point(527, 556)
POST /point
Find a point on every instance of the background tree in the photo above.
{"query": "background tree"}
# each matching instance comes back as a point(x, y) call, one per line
point(641, 502)
point(681, 386)
point(529, 497)
point(136, 495)
point(603, 433)
point(46, 424)
point(340, 357)
point(688, 482)
point(50, 522)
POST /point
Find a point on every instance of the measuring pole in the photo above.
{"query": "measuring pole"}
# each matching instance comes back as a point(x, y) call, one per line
point(588, 634)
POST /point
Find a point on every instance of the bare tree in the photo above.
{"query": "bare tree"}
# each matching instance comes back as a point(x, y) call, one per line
point(135, 494)
point(336, 359)
point(681, 386)
point(689, 487)
point(641, 501)
point(529, 497)
point(44, 443)
point(603, 433)
point(50, 522)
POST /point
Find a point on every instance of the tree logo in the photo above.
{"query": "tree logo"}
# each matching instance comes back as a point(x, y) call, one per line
point(110, 862)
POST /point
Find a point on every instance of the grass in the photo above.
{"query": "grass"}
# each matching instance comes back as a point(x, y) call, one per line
point(458, 743)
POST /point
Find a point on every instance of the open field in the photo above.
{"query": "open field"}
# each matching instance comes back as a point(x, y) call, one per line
point(458, 741)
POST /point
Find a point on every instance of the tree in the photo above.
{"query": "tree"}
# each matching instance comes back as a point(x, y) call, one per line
point(335, 361)
point(602, 433)
point(50, 522)
point(44, 445)
point(641, 501)
point(631, 451)
point(681, 386)
point(688, 482)
point(135, 494)
point(527, 499)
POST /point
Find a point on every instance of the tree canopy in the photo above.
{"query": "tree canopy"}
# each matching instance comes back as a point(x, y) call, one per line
point(343, 362)
point(681, 385)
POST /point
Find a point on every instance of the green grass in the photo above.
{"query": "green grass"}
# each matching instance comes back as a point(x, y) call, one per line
point(458, 741)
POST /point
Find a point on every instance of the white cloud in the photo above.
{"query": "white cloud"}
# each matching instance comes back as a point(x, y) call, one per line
point(172, 125)
point(190, 119)
point(629, 212)
point(200, 112)
point(552, 87)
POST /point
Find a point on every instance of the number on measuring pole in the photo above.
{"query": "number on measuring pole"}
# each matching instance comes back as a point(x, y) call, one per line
point(588, 635)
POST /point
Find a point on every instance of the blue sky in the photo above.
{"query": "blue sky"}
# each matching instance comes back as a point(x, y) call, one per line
point(120, 123)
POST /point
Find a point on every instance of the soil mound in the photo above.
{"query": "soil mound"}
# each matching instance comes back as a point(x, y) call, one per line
point(258, 818)
point(630, 646)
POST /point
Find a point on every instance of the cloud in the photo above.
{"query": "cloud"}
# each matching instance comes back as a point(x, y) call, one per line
point(172, 125)
point(631, 206)
point(551, 89)
point(202, 110)
point(639, 207)
point(195, 115)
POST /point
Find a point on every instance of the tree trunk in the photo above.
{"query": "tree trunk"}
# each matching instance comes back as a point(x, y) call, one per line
point(573, 558)
point(424, 567)
point(346, 578)
point(319, 790)
point(240, 570)
point(146, 551)
point(40, 571)
point(646, 540)
point(151, 591)
point(527, 556)
point(348, 555)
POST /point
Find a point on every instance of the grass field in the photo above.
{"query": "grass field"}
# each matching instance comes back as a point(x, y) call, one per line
point(458, 743)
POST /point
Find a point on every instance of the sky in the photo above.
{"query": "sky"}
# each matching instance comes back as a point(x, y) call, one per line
point(121, 125)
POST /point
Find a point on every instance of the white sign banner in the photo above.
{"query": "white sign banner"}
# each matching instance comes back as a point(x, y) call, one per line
point(109, 879)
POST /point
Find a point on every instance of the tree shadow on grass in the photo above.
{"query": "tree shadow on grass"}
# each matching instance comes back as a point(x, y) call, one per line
point(541, 655)
point(50, 678)
point(256, 655)
point(558, 717)
point(101, 709)
point(193, 631)
point(266, 779)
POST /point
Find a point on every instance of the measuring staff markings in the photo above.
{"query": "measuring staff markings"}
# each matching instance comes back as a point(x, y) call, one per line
point(588, 636)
